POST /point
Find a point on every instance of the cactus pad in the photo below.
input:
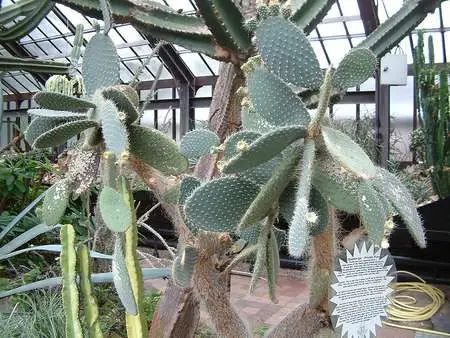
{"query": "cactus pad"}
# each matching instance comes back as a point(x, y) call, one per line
point(121, 277)
point(55, 202)
point(348, 153)
point(41, 125)
point(198, 143)
point(187, 187)
point(56, 113)
point(126, 100)
point(274, 100)
point(114, 210)
point(252, 121)
point(230, 146)
point(355, 68)
point(62, 133)
point(390, 187)
point(339, 187)
point(264, 148)
point(101, 67)
point(220, 204)
point(250, 234)
point(297, 63)
point(56, 101)
point(271, 191)
point(156, 149)
point(113, 127)
point(372, 212)
point(319, 207)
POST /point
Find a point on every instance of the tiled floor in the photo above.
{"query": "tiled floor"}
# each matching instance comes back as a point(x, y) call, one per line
point(259, 310)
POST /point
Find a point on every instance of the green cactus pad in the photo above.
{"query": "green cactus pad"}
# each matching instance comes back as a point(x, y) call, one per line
point(348, 153)
point(274, 100)
point(393, 189)
point(114, 210)
point(187, 187)
point(101, 66)
point(259, 174)
point(297, 63)
point(68, 261)
point(156, 149)
point(225, 21)
point(56, 113)
point(183, 266)
point(55, 202)
point(172, 195)
point(355, 68)
point(271, 191)
point(113, 128)
point(372, 212)
point(230, 146)
point(220, 204)
point(57, 101)
point(62, 133)
point(264, 148)
point(121, 277)
point(307, 14)
point(298, 235)
point(339, 187)
point(126, 100)
point(250, 234)
point(198, 143)
point(252, 121)
point(41, 125)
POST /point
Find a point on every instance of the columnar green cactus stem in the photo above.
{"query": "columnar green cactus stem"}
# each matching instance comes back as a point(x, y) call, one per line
point(298, 231)
point(324, 102)
point(69, 290)
point(109, 169)
point(90, 303)
point(136, 325)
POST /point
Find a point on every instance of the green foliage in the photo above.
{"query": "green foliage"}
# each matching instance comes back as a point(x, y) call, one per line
point(57, 101)
point(198, 143)
point(220, 204)
point(151, 300)
point(187, 187)
point(372, 211)
point(21, 180)
point(183, 266)
point(113, 127)
point(299, 64)
point(125, 99)
point(100, 64)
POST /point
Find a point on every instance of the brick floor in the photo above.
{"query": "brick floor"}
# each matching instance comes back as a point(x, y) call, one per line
point(258, 310)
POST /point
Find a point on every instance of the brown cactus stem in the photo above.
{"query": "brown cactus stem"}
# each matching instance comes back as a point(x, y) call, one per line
point(213, 286)
point(323, 252)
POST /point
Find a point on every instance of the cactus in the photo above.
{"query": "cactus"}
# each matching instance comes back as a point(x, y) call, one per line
point(308, 14)
point(187, 187)
point(41, 125)
point(113, 127)
point(183, 266)
point(434, 116)
point(100, 64)
point(89, 301)
point(300, 65)
point(198, 143)
point(125, 99)
point(56, 201)
point(11, 63)
point(220, 204)
point(69, 289)
point(114, 210)
point(57, 101)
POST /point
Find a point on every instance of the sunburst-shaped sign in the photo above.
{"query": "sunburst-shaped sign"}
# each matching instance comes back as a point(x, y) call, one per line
point(360, 289)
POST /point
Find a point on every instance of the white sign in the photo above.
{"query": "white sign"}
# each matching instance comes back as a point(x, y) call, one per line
point(394, 70)
point(360, 289)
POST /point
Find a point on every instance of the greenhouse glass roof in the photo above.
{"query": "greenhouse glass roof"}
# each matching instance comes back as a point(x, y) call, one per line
point(340, 30)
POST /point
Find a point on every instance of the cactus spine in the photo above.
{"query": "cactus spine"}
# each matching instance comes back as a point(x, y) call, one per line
point(69, 289)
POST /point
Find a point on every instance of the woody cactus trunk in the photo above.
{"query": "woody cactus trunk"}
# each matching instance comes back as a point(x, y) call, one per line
point(283, 163)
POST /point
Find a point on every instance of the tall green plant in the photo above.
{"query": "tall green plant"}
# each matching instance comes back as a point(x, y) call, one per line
point(434, 115)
